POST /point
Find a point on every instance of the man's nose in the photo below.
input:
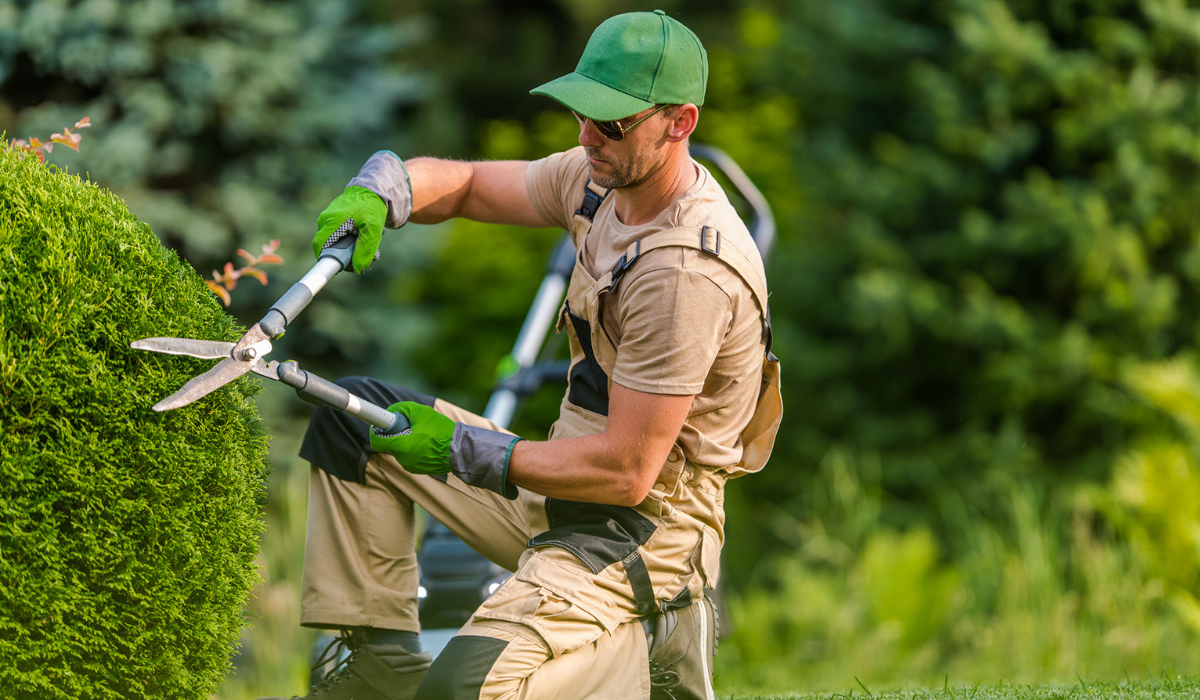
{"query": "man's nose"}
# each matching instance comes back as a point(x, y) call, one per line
point(589, 135)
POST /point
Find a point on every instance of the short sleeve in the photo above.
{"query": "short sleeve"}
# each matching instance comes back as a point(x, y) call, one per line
point(555, 185)
point(673, 324)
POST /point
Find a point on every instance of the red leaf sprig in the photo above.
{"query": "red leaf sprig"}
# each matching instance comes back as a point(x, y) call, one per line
point(66, 138)
point(223, 282)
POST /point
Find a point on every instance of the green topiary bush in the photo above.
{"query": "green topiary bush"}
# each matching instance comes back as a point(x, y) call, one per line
point(127, 538)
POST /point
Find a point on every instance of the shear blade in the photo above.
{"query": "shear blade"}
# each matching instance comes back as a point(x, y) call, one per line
point(270, 370)
point(203, 349)
point(224, 372)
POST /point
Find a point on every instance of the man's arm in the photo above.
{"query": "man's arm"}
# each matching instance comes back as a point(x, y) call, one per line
point(389, 192)
point(492, 192)
point(617, 466)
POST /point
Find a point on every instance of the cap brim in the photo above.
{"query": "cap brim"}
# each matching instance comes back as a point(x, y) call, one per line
point(591, 98)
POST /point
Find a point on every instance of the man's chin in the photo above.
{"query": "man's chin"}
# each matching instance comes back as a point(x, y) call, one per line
point(605, 180)
point(598, 178)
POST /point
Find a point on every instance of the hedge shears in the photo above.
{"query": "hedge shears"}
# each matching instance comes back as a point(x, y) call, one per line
point(248, 354)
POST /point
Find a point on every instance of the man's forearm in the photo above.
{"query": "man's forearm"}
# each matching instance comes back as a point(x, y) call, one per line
point(588, 468)
point(491, 191)
point(439, 187)
point(617, 466)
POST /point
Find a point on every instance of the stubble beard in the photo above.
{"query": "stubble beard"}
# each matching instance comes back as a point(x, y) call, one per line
point(629, 173)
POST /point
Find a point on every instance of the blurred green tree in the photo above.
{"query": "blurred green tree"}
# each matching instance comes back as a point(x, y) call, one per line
point(999, 206)
point(986, 211)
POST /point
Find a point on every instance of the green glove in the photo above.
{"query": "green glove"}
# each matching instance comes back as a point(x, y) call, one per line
point(367, 210)
point(380, 195)
point(425, 447)
point(434, 444)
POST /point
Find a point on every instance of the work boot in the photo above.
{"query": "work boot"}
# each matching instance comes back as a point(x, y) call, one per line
point(369, 672)
point(683, 643)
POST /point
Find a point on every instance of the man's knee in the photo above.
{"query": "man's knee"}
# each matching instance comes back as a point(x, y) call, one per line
point(339, 443)
point(460, 670)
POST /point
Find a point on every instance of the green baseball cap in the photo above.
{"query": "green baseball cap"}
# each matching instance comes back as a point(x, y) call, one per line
point(633, 62)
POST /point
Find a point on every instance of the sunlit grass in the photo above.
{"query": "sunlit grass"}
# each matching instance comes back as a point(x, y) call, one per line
point(1042, 591)
point(1161, 688)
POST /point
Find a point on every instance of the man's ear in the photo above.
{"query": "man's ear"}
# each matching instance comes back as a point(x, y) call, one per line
point(683, 121)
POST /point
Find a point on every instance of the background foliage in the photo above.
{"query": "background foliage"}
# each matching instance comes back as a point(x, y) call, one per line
point(983, 290)
point(127, 539)
point(226, 124)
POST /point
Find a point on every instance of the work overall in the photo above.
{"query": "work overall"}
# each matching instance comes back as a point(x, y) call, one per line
point(567, 624)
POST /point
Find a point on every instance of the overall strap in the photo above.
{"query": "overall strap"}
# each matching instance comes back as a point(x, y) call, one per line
point(707, 240)
point(593, 196)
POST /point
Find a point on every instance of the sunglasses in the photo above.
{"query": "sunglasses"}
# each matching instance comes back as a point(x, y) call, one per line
point(613, 131)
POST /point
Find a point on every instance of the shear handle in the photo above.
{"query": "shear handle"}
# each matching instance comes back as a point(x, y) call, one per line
point(322, 392)
point(333, 260)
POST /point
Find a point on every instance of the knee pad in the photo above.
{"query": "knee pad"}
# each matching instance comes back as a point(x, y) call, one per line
point(460, 670)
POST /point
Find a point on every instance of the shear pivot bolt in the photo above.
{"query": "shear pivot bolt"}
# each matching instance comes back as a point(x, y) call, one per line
point(249, 354)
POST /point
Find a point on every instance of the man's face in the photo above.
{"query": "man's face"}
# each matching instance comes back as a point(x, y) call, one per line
point(625, 163)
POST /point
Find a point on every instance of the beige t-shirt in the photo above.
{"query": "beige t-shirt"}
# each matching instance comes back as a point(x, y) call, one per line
point(683, 322)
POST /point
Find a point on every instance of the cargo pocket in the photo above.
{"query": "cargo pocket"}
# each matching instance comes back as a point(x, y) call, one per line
point(671, 473)
point(560, 623)
point(710, 556)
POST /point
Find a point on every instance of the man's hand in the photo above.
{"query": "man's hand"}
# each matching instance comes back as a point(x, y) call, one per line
point(380, 195)
point(434, 444)
point(425, 448)
point(368, 212)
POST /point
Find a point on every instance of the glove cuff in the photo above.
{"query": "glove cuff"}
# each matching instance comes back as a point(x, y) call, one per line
point(480, 458)
point(385, 175)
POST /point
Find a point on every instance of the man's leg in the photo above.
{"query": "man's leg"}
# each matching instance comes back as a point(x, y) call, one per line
point(560, 652)
point(360, 570)
point(360, 557)
point(530, 643)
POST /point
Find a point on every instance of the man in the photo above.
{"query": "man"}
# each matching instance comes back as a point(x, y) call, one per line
point(613, 525)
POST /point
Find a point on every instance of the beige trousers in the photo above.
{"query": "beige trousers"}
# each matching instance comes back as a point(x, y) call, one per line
point(360, 569)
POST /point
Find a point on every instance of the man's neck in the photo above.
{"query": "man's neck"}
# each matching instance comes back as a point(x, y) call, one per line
point(643, 202)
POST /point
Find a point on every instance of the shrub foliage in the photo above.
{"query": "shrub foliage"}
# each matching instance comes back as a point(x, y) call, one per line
point(127, 538)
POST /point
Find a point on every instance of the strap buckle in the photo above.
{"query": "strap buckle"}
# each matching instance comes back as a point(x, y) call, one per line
point(626, 262)
point(704, 241)
point(591, 203)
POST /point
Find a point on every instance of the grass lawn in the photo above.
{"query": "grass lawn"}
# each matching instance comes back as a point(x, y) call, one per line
point(1130, 690)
